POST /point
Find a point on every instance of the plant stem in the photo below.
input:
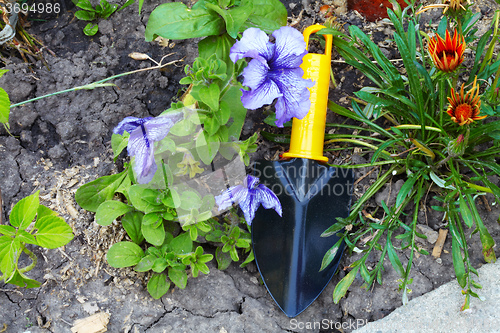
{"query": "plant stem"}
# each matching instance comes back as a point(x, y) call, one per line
point(33, 260)
point(97, 83)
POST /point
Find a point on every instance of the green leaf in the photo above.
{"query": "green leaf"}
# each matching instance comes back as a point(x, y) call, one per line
point(153, 235)
point(44, 211)
point(4, 106)
point(224, 113)
point(268, 15)
point(220, 46)
point(159, 265)
point(145, 199)
point(210, 96)
point(393, 258)
point(177, 276)
point(132, 222)
point(124, 254)
point(21, 280)
point(109, 210)
point(3, 71)
point(90, 29)
point(238, 112)
point(10, 250)
point(158, 285)
point(234, 17)
point(406, 189)
point(223, 259)
point(7, 230)
point(207, 147)
point(26, 237)
point(458, 263)
point(330, 255)
point(176, 21)
point(24, 211)
point(92, 194)
point(118, 143)
point(181, 244)
point(344, 284)
point(146, 263)
point(465, 211)
point(53, 232)
point(85, 4)
point(85, 15)
point(190, 200)
point(128, 3)
point(211, 125)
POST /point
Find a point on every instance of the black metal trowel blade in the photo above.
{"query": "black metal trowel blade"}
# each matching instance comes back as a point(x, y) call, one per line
point(289, 250)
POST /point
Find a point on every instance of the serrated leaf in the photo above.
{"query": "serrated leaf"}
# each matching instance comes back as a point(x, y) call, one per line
point(24, 211)
point(26, 237)
point(124, 254)
point(109, 210)
point(7, 230)
point(53, 232)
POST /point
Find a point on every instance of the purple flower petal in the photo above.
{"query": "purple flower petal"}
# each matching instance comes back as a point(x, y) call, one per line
point(268, 199)
point(263, 91)
point(129, 124)
point(294, 101)
point(158, 128)
point(232, 195)
point(141, 147)
point(290, 48)
point(253, 44)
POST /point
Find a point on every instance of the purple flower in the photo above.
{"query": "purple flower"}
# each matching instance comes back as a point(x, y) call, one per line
point(144, 132)
point(274, 72)
point(249, 196)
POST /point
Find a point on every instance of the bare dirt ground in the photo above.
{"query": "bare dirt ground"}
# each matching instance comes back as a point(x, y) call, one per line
point(62, 142)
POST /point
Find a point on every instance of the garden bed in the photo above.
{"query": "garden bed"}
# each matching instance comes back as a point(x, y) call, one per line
point(62, 142)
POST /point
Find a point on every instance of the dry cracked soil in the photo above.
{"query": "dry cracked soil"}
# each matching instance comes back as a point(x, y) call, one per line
point(61, 142)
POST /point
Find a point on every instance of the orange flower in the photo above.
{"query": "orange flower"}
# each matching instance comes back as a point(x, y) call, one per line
point(447, 53)
point(465, 109)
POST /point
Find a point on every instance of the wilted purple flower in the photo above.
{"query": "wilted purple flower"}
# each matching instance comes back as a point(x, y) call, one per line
point(144, 132)
point(274, 72)
point(249, 196)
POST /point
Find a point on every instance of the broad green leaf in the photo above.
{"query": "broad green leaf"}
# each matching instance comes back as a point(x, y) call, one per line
point(92, 194)
point(118, 143)
point(178, 277)
point(190, 200)
point(234, 17)
point(158, 285)
point(220, 46)
point(238, 112)
point(85, 4)
point(145, 199)
point(207, 147)
point(211, 125)
point(268, 15)
point(181, 244)
point(146, 263)
point(24, 211)
point(10, 250)
point(223, 259)
point(176, 21)
point(90, 29)
point(85, 15)
point(21, 280)
point(4, 106)
point(153, 235)
point(53, 232)
point(458, 263)
point(210, 96)
point(44, 211)
point(26, 237)
point(124, 254)
point(109, 210)
point(132, 222)
point(7, 230)
point(159, 265)
point(344, 284)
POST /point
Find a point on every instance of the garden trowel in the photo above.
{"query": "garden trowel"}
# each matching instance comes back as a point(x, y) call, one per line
point(289, 250)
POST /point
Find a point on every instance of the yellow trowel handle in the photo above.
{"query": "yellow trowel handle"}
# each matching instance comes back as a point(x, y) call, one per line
point(308, 134)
